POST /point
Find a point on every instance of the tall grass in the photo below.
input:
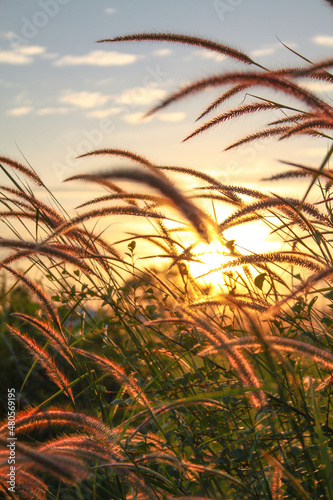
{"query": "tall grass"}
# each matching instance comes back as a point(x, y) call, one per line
point(156, 384)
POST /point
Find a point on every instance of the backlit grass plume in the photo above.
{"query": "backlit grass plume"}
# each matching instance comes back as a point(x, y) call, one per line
point(183, 365)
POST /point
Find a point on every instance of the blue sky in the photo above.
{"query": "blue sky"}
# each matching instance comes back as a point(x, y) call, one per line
point(62, 94)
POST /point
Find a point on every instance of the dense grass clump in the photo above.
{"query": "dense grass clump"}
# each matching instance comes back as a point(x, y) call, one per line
point(137, 378)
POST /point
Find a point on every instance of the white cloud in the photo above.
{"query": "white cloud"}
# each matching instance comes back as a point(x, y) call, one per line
point(206, 54)
point(135, 118)
point(52, 111)
point(110, 11)
point(22, 55)
point(98, 58)
point(172, 117)
point(22, 98)
point(24, 110)
point(140, 96)
point(84, 99)
point(265, 51)
point(323, 40)
point(162, 52)
point(104, 113)
point(10, 57)
point(31, 50)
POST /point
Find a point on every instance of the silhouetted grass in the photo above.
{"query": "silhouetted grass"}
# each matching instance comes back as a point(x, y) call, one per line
point(156, 384)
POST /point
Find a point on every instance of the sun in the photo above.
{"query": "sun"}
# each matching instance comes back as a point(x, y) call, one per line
point(246, 239)
point(206, 259)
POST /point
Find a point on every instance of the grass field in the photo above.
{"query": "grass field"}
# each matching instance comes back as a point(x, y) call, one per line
point(136, 377)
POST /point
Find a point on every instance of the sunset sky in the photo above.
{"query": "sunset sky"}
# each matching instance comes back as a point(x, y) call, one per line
point(62, 94)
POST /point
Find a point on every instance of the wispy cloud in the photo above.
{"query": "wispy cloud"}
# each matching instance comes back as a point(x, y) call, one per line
point(98, 58)
point(206, 54)
point(10, 57)
point(24, 110)
point(172, 117)
point(52, 111)
point(31, 50)
point(22, 104)
point(265, 51)
point(140, 96)
point(104, 113)
point(23, 99)
point(21, 56)
point(135, 118)
point(269, 49)
point(84, 100)
point(162, 52)
point(323, 40)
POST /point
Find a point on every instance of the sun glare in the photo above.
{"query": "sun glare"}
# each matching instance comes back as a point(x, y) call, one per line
point(246, 239)
point(207, 258)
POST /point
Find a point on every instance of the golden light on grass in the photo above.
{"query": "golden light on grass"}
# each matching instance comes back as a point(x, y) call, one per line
point(207, 259)
point(254, 237)
point(239, 240)
point(212, 319)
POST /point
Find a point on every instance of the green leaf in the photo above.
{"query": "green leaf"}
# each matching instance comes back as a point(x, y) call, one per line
point(318, 237)
point(310, 306)
point(329, 295)
point(326, 321)
point(259, 280)
point(102, 388)
point(131, 246)
point(326, 469)
point(119, 402)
